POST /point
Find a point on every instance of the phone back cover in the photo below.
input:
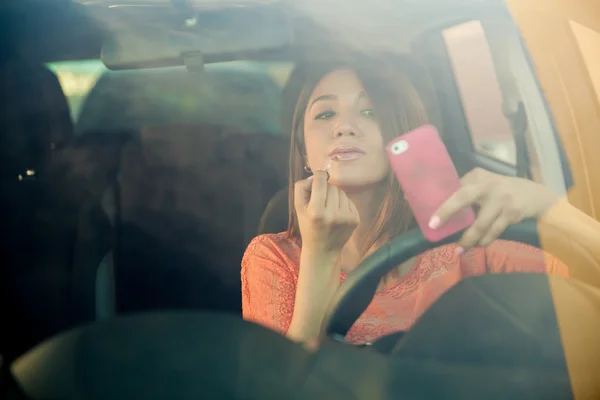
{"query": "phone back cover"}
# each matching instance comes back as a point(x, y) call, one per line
point(428, 178)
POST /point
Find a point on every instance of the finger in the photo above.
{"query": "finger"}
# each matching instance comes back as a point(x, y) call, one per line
point(487, 216)
point(318, 195)
point(462, 198)
point(326, 170)
point(333, 198)
point(475, 176)
point(302, 192)
point(470, 178)
point(497, 228)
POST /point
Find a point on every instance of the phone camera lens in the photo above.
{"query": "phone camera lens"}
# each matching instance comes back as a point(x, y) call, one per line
point(399, 147)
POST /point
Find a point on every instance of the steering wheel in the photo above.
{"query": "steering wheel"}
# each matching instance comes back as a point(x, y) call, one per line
point(357, 290)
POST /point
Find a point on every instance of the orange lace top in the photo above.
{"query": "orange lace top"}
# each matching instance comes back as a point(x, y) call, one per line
point(270, 274)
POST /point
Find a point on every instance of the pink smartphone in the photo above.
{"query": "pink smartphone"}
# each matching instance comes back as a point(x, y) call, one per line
point(428, 178)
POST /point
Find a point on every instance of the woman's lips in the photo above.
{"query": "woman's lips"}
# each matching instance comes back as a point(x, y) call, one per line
point(347, 152)
point(349, 156)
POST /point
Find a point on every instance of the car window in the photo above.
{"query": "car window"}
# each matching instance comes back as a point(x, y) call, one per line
point(480, 93)
point(77, 79)
point(224, 93)
point(167, 173)
point(493, 75)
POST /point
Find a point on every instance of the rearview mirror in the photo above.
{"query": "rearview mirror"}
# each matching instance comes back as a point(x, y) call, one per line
point(158, 37)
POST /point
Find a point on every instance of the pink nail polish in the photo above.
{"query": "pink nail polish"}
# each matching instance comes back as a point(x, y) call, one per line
point(434, 222)
point(459, 251)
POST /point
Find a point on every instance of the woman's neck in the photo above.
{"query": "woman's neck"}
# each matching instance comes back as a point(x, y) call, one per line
point(366, 202)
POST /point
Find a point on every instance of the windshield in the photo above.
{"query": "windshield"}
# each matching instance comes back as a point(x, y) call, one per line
point(170, 156)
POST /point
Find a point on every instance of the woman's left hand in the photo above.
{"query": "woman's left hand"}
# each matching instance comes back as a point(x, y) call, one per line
point(502, 201)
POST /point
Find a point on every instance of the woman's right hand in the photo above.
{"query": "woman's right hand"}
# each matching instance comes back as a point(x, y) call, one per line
point(326, 217)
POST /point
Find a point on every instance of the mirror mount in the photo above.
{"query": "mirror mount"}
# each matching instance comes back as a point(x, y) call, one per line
point(194, 62)
point(186, 11)
point(152, 37)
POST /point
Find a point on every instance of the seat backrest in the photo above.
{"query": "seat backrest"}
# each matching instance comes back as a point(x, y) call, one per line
point(193, 181)
point(275, 217)
point(95, 162)
point(36, 223)
point(34, 124)
point(191, 198)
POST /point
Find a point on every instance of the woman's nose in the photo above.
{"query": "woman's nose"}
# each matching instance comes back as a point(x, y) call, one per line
point(345, 129)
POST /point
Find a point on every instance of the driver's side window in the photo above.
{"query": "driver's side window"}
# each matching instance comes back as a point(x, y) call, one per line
point(477, 83)
point(493, 75)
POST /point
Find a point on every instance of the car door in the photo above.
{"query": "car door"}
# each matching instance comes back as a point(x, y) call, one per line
point(563, 40)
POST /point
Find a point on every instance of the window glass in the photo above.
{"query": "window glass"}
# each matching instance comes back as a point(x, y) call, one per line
point(494, 75)
point(77, 78)
point(480, 93)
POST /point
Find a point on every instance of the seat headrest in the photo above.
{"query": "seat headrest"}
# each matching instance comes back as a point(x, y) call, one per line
point(276, 214)
point(34, 120)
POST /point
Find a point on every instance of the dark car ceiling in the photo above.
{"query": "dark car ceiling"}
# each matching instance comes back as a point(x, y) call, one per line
point(47, 30)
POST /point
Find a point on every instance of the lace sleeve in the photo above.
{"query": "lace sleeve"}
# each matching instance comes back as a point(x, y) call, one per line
point(505, 256)
point(268, 285)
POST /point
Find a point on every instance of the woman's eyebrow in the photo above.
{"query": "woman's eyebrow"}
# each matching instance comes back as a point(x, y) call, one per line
point(361, 95)
point(328, 97)
point(323, 97)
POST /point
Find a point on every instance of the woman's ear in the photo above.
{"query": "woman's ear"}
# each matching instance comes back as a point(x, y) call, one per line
point(305, 162)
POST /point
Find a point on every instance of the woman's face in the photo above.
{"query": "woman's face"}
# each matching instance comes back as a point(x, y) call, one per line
point(339, 122)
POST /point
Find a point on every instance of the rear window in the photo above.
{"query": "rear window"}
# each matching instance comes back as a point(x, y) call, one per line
point(77, 78)
point(242, 92)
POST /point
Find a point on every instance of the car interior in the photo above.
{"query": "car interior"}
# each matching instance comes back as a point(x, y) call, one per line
point(147, 200)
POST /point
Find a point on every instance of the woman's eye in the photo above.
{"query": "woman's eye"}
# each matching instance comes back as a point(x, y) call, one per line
point(367, 112)
point(325, 115)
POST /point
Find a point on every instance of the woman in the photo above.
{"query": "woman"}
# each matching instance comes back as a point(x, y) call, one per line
point(337, 217)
